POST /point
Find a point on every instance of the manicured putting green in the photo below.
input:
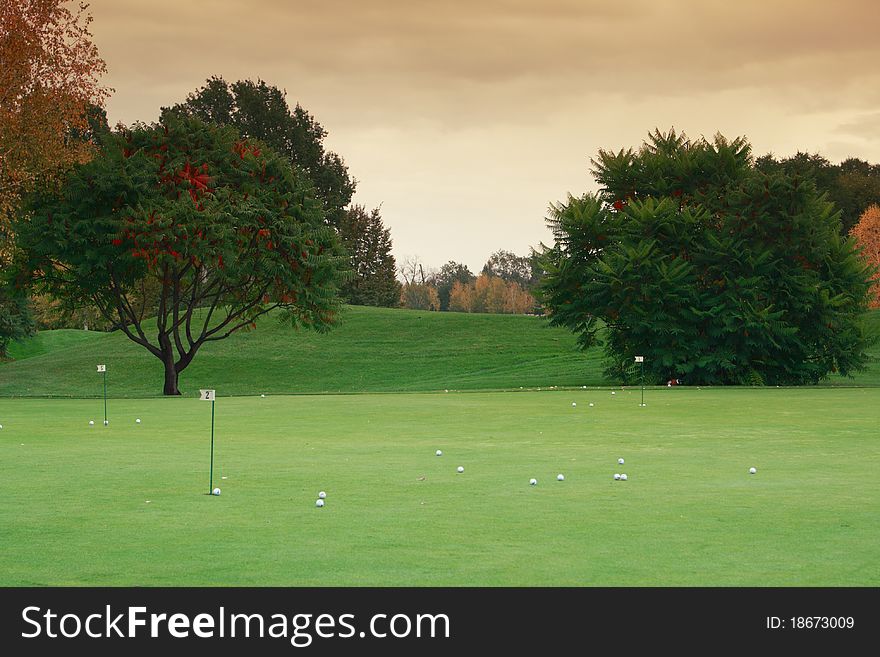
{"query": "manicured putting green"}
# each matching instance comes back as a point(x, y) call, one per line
point(128, 504)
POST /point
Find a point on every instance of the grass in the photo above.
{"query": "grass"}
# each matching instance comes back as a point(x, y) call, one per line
point(374, 349)
point(74, 511)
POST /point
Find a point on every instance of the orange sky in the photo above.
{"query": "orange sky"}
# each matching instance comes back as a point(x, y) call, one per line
point(465, 119)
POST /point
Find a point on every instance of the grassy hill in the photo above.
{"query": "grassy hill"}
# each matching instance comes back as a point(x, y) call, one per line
point(374, 349)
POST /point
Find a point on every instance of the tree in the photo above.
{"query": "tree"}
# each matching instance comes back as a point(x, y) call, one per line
point(413, 270)
point(15, 320)
point(260, 111)
point(867, 235)
point(48, 92)
point(461, 297)
point(419, 296)
point(368, 244)
point(222, 227)
point(445, 279)
point(490, 294)
point(510, 267)
point(716, 272)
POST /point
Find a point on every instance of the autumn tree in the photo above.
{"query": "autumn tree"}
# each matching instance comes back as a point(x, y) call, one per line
point(461, 297)
point(368, 245)
point(419, 296)
point(49, 83)
point(510, 267)
point(715, 271)
point(490, 294)
point(260, 111)
point(867, 234)
point(221, 225)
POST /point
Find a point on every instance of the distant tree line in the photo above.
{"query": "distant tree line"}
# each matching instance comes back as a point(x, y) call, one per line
point(504, 285)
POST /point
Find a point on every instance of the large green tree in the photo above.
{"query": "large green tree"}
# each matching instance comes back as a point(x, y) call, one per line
point(368, 244)
point(260, 111)
point(716, 272)
point(214, 229)
point(15, 320)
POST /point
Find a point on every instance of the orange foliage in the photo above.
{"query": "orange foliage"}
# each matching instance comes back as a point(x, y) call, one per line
point(490, 294)
point(867, 234)
point(48, 79)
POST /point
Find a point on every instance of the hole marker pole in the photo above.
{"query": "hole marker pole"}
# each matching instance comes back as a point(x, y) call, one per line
point(209, 395)
point(211, 484)
point(641, 361)
point(102, 369)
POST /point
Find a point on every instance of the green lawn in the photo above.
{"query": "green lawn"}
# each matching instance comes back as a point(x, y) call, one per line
point(74, 510)
point(372, 350)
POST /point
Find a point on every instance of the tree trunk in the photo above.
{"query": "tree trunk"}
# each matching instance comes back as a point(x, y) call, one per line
point(170, 379)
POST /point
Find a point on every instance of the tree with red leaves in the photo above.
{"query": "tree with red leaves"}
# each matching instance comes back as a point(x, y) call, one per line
point(867, 234)
point(188, 223)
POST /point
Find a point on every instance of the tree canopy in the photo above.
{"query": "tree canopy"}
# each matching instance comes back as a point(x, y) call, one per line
point(260, 111)
point(715, 271)
point(192, 224)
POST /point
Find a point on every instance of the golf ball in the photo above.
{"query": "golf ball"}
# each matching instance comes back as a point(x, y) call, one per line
point(591, 404)
point(616, 476)
point(319, 503)
point(1, 426)
point(460, 469)
point(752, 470)
point(138, 421)
point(91, 422)
point(262, 395)
point(613, 393)
point(322, 495)
point(560, 477)
point(574, 403)
point(623, 477)
point(620, 461)
point(216, 491)
point(533, 481)
point(439, 452)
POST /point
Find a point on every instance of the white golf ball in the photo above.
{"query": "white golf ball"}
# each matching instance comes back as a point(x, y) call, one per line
point(262, 395)
point(322, 495)
point(216, 491)
point(138, 421)
point(616, 476)
point(591, 404)
point(752, 470)
point(319, 503)
point(613, 393)
point(91, 423)
point(574, 403)
point(439, 452)
point(623, 477)
point(460, 469)
point(620, 461)
point(1, 426)
point(533, 482)
point(560, 477)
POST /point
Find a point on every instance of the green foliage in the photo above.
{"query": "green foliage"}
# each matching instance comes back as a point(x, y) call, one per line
point(714, 271)
point(368, 244)
point(16, 321)
point(510, 267)
point(853, 185)
point(260, 111)
point(177, 216)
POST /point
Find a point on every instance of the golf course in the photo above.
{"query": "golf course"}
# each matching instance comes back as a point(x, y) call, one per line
point(360, 413)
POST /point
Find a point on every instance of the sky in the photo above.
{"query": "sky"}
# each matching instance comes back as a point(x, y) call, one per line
point(465, 119)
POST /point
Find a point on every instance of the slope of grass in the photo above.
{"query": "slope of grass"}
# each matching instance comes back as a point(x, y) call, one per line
point(48, 342)
point(126, 505)
point(373, 349)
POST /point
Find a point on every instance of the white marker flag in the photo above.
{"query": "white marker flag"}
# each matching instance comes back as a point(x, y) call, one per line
point(640, 359)
point(102, 368)
point(206, 395)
